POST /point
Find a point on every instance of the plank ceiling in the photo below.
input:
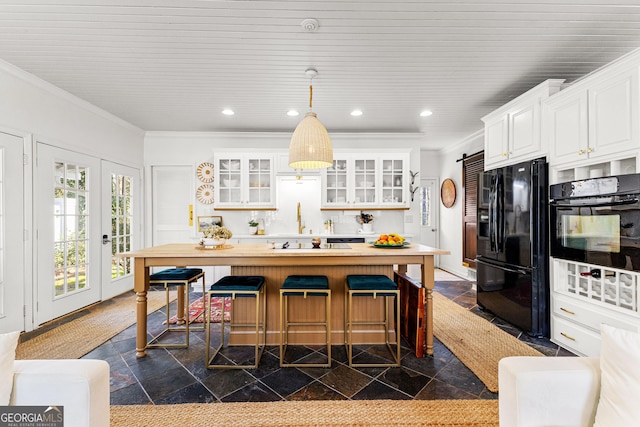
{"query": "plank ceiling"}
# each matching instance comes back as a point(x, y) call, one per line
point(173, 65)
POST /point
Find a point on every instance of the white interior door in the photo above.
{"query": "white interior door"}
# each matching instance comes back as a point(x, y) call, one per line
point(12, 283)
point(429, 212)
point(69, 231)
point(121, 228)
point(172, 197)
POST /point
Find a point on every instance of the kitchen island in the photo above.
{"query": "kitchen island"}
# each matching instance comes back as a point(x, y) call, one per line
point(335, 262)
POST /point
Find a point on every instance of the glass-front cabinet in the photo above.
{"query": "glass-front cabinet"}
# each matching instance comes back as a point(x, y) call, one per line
point(244, 181)
point(365, 181)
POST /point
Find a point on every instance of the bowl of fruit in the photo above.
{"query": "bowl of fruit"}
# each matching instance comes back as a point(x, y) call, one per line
point(391, 240)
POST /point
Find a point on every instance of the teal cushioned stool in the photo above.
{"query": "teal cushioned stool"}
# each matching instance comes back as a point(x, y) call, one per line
point(176, 278)
point(238, 287)
point(304, 286)
point(363, 285)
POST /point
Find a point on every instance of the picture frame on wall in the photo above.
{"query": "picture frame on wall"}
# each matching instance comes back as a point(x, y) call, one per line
point(205, 222)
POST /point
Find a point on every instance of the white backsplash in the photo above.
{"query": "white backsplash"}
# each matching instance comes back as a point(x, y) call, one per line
point(307, 191)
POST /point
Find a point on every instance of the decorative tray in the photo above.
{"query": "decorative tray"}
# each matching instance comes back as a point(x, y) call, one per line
point(209, 248)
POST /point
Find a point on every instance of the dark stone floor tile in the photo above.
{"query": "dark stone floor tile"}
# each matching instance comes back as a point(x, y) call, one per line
point(458, 375)
point(489, 395)
point(510, 329)
point(157, 361)
point(316, 391)
point(338, 353)
point(428, 365)
point(437, 389)
point(131, 395)
point(405, 380)
point(562, 352)
point(287, 380)
point(226, 381)
point(105, 351)
point(319, 372)
point(547, 351)
point(240, 355)
point(379, 391)
point(269, 363)
point(294, 353)
point(125, 345)
point(466, 300)
point(166, 382)
point(194, 393)
point(255, 392)
point(120, 376)
point(345, 380)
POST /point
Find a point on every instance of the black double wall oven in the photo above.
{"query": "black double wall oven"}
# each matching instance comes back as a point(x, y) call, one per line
point(597, 221)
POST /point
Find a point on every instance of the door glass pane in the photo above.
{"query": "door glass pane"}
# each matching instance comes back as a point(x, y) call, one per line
point(121, 223)
point(425, 206)
point(70, 230)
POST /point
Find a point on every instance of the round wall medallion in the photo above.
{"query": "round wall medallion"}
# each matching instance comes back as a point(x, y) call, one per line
point(205, 172)
point(448, 193)
point(205, 194)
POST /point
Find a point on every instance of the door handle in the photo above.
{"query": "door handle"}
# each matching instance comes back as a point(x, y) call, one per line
point(105, 239)
point(434, 229)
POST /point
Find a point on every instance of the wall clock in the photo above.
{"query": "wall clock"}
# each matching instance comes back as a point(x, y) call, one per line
point(205, 172)
point(448, 193)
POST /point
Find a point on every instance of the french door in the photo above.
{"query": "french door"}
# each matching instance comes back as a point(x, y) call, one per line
point(12, 267)
point(68, 206)
point(429, 212)
point(121, 231)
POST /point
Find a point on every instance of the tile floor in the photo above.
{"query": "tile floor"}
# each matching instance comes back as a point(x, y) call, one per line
point(179, 375)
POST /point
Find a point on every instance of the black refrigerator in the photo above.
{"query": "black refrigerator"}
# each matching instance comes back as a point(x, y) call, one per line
point(512, 246)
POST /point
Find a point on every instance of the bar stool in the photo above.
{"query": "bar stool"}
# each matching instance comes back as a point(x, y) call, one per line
point(372, 286)
point(238, 287)
point(175, 278)
point(304, 286)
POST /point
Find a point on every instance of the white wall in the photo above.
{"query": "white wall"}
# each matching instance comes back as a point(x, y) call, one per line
point(32, 106)
point(451, 218)
point(193, 148)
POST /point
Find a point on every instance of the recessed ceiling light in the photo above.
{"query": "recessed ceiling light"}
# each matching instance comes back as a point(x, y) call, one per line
point(356, 113)
point(292, 113)
point(426, 113)
point(228, 112)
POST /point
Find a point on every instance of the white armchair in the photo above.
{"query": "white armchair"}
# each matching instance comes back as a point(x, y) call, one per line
point(80, 386)
point(548, 391)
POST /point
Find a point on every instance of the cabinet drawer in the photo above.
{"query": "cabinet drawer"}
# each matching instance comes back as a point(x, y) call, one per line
point(574, 337)
point(590, 316)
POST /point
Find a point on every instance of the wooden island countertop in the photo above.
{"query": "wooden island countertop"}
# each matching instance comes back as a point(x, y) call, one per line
point(276, 264)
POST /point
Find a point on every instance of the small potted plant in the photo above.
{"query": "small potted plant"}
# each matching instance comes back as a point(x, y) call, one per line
point(253, 226)
point(216, 235)
point(365, 219)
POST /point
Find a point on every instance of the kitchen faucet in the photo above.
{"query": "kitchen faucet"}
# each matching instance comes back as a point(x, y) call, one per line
point(300, 226)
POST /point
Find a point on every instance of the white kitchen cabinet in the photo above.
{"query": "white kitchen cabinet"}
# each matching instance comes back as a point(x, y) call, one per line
point(594, 121)
point(244, 181)
point(581, 302)
point(513, 132)
point(357, 181)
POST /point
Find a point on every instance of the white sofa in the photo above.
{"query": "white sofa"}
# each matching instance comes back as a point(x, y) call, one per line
point(81, 386)
point(548, 391)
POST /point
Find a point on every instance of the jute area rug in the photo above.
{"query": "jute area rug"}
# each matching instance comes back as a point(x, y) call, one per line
point(369, 413)
point(75, 338)
point(475, 341)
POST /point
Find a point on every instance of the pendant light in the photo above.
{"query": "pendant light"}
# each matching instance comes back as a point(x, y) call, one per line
point(310, 146)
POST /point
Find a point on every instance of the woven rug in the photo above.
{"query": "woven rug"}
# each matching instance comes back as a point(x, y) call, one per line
point(75, 338)
point(475, 341)
point(365, 413)
point(196, 309)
